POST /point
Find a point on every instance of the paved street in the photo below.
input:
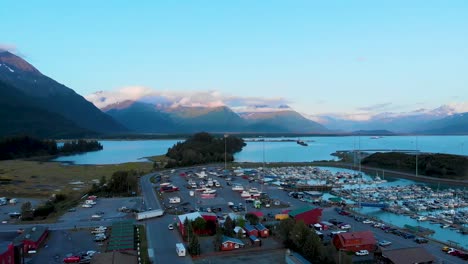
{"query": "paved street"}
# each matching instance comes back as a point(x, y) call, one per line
point(161, 240)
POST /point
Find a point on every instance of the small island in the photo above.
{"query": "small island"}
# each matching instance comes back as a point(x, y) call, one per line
point(202, 148)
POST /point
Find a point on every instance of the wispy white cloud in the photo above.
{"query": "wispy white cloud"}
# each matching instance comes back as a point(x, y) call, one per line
point(375, 107)
point(209, 98)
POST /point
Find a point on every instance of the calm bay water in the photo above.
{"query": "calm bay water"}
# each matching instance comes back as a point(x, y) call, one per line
point(115, 152)
point(319, 149)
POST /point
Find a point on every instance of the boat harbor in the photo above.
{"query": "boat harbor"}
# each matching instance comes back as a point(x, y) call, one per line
point(436, 212)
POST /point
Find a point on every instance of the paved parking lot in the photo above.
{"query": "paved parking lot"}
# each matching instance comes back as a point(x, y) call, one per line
point(106, 207)
point(61, 243)
point(10, 208)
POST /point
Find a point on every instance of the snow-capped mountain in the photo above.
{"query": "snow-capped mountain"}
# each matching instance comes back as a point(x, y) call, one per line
point(185, 114)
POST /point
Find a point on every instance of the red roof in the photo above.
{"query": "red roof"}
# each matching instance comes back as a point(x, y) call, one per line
point(257, 213)
point(357, 238)
point(309, 217)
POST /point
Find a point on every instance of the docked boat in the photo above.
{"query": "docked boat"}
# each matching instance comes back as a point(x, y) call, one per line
point(421, 218)
point(238, 188)
point(208, 191)
point(245, 194)
point(253, 190)
point(208, 195)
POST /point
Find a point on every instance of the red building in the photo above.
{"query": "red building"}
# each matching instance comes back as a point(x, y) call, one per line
point(262, 230)
point(210, 219)
point(355, 241)
point(251, 231)
point(307, 214)
point(230, 243)
point(8, 256)
point(32, 238)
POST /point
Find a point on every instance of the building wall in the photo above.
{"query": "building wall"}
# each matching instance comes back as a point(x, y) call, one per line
point(227, 246)
point(310, 217)
point(355, 246)
point(8, 257)
point(264, 233)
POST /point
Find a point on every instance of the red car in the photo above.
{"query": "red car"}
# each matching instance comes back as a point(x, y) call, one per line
point(454, 252)
point(72, 259)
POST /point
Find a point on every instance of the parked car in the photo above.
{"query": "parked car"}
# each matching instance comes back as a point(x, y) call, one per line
point(343, 212)
point(408, 236)
point(447, 249)
point(454, 252)
point(100, 237)
point(367, 221)
point(345, 226)
point(362, 252)
point(421, 240)
point(384, 243)
point(170, 226)
point(72, 259)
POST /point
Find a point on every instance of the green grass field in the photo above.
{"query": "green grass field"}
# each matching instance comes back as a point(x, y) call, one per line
point(21, 178)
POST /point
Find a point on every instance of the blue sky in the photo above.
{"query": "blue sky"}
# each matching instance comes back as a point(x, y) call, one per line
point(319, 56)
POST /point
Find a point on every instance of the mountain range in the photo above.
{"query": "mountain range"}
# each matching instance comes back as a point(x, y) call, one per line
point(441, 120)
point(150, 118)
point(32, 103)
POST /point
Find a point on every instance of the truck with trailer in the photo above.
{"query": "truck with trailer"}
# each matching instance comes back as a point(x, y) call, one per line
point(149, 214)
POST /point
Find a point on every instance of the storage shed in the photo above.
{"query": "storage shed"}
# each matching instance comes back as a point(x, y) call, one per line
point(230, 243)
point(262, 230)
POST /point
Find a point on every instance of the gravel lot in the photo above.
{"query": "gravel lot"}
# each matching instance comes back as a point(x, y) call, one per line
point(61, 243)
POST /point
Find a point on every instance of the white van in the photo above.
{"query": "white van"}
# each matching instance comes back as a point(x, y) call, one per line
point(180, 249)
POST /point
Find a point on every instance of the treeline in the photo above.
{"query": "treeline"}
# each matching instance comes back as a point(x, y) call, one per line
point(204, 148)
point(42, 211)
point(123, 183)
point(300, 238)
point(433, 165)
point(26, 147)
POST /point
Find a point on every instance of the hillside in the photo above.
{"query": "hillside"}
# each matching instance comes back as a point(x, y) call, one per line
point(21, 116)
point(44, 93)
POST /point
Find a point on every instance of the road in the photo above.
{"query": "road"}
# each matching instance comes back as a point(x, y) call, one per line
point(161, 240)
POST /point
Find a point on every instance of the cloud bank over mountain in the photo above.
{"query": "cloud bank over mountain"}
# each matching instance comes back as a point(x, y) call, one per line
point(174, 99)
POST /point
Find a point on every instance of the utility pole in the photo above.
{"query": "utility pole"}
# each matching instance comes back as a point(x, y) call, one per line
point(225, 152)
point(360, 173)
point(417, 154)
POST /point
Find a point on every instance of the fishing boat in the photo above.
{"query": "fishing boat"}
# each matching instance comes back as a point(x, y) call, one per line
point(208, 191)
point(208, 195)
point(302, 143)
point(421, 218)
point(238, 188)
point(245, 194)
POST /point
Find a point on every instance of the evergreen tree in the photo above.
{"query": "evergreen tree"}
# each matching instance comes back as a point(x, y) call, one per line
point(27, 212)
point(218, 240)
point(298, 234)
point(228, 227)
